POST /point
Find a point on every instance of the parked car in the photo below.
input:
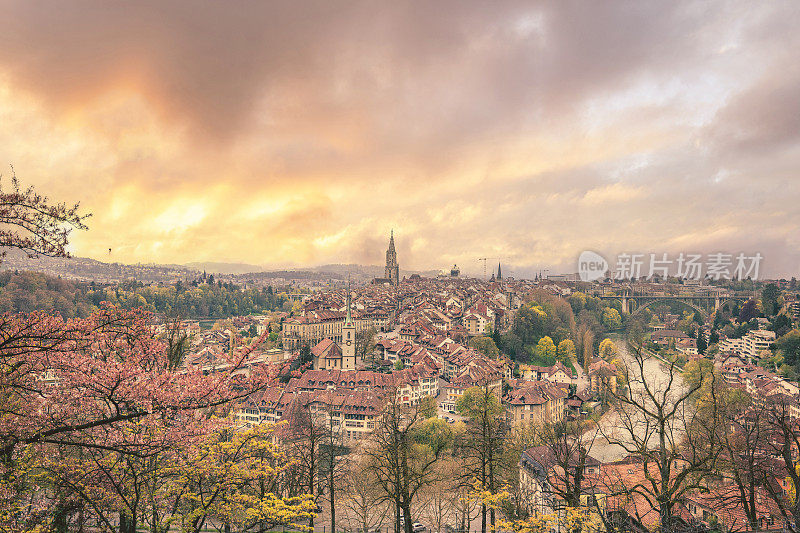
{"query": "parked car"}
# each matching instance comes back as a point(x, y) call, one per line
point(417, 527)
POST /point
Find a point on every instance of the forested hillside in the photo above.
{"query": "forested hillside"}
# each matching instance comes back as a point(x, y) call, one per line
point(28, 291)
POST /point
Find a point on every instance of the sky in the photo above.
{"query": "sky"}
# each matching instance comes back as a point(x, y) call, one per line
point(301, 133)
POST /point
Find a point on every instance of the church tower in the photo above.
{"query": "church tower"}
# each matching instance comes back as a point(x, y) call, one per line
point(392, 268)
point(349, 359)
point(499, 272)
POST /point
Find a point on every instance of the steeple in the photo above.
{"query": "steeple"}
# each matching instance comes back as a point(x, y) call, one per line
point(349, 358)
point(499, 272)
point(348, 320)
point(392, 270)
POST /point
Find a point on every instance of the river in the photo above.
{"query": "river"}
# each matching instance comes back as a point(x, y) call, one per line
point(656, 374)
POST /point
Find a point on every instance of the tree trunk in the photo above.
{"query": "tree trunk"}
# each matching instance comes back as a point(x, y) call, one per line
point(127, 524)
point(407, 517)
point(397, 516)
point(331, 489)
point(311, 469)
point(60, 522)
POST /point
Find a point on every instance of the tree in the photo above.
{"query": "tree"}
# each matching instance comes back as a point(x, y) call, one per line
point(571, 519)
point(305, 355)
point(483, 441)
point(748, 312)
point(97, 387)
point(529, 323)
point(427, 407)
point(745, 454)
point(781, 325)
point(702, 345)
point(232, 476)
point(364, 501)
point(33, 224)
point(398, 365)
point(402, 452)
point(545, 350)
point(565, 448)
point(305, 435)
point(439, 500)
point(365, 343)
point(611, 318)
point(656, 424)
point(783, 442)
point(769, 299)
point(789, 347)
point(485, 345)
point(566, 351)
point(608, 350)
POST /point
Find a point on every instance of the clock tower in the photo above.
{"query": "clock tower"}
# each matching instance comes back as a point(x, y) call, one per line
point(349, 359)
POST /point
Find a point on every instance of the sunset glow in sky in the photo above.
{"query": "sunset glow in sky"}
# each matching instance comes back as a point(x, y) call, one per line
point(299, 133)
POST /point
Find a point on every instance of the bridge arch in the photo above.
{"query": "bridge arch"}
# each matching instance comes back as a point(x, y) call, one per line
point(644, 304)
point(732, 299)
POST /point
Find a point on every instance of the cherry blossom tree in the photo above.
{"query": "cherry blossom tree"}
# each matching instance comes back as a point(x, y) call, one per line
point(35, 225)
point(103, 392)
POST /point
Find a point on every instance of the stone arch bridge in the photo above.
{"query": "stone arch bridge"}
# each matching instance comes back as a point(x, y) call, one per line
point(635, 302)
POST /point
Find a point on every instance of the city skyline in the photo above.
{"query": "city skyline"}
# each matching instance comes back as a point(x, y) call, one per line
point(300, 135)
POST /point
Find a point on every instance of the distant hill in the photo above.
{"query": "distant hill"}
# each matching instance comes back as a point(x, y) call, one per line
point(213, 267)
point(82, 268)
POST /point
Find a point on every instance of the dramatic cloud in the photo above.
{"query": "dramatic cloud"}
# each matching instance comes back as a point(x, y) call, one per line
point(301, 132)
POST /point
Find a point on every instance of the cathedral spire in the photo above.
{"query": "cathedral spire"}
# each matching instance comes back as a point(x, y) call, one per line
point(348, 320)
point(392, 270)
point(499, 272)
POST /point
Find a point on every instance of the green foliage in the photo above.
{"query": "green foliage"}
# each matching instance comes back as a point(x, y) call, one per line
point(789, 347)
point(530, 323)
point(781, 325)
point(28, 291)
point(579, 318)
point(702, 345)
point(398, 365)
point(748, 312)
point(434, 433)
point(427, 407)
point(566, 351)
point(486, 346)
point(608, 350)
point(769, 299)
point(479, 402)
point(545, 349)
point(611, 318)
point(305, 355)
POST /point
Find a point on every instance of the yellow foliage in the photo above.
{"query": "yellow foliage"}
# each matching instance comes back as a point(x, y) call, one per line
point(570, 519)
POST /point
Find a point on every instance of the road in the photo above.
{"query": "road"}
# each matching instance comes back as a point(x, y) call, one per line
point(582, 382)
point(657, 376)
